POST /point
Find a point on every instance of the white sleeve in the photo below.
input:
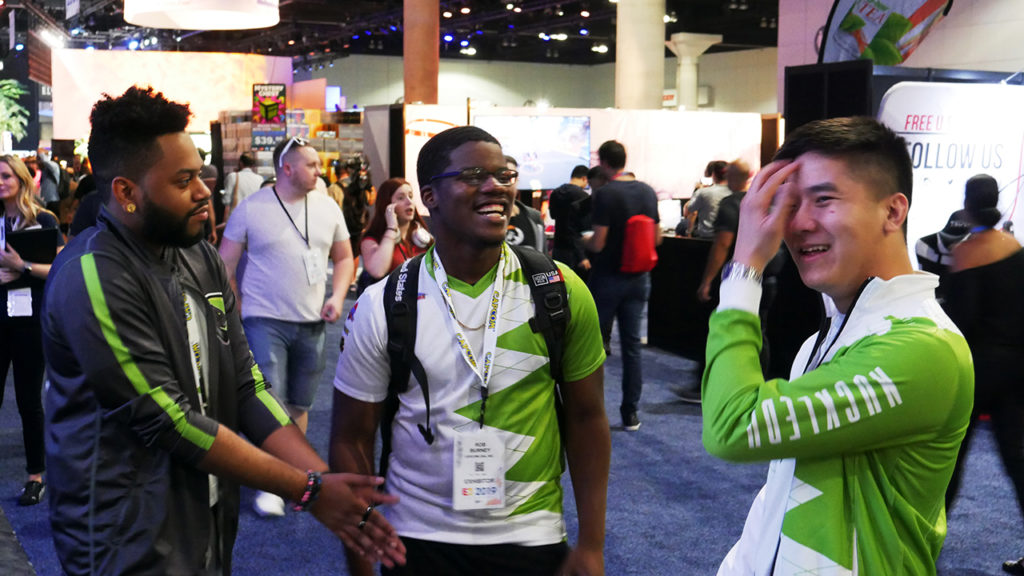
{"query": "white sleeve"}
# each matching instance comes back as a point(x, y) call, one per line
point(364, 368)
point(235, 229)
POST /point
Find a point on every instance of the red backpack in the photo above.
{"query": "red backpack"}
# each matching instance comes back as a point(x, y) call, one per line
point(639, 253)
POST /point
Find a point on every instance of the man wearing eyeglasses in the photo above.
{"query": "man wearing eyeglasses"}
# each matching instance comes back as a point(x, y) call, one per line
point(289, 231)
point(492, 399)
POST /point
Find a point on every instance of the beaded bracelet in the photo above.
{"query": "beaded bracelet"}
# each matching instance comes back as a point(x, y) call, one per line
point(313, 482)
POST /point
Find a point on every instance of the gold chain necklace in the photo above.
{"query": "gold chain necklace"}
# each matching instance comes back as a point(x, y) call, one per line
point(464, 327)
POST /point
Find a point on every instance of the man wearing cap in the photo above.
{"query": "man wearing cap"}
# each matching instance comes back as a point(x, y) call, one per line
point(935, 251)
point(288, 231)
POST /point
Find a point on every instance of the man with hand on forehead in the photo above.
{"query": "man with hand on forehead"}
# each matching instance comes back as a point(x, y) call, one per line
point(864, 435)
point(484, 418)
point(152, 383)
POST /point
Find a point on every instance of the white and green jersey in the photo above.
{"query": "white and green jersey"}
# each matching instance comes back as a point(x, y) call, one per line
point(520, 404)
point(863, 437)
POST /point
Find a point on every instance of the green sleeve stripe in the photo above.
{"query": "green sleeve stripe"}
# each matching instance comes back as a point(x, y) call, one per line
point(124, 358)
point(268, 399)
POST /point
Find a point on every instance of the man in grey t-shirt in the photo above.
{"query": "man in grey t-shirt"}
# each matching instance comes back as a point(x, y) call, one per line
point(288, 232)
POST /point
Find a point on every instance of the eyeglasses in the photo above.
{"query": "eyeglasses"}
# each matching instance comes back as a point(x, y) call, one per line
point(477, 176)
point(291, 141)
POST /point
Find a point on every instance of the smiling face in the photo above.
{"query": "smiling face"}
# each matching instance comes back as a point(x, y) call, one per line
point(402, 199)
point(461, 212)
point(843, 230)
point(174, 207)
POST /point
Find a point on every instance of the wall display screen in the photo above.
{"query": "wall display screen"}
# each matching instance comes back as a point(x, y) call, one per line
point(546, 147)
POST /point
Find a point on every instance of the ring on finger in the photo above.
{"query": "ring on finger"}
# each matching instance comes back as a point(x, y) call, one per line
point(366, 514)
point(362, 524)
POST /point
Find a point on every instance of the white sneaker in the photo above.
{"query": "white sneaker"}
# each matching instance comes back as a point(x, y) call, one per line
point(267, 504)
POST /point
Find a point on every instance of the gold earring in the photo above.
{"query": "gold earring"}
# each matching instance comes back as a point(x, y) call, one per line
point(130, 208)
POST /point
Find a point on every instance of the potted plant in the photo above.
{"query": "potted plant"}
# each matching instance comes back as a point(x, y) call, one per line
point(13, 116)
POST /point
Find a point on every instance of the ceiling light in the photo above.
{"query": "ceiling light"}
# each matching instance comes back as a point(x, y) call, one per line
point(764, 21)
point(464, 43)
point(447, 13)
point(561, 36)
point(509, 6)
point(448, 37)
point(517, 9)
point(599, 48)
point(133, 44)
point(202, 14)
point(543, 36)
point(585, 13)
point(465, 10)
point(19, 46)
point(584, 32)
point(671, 17)
point(772, 23)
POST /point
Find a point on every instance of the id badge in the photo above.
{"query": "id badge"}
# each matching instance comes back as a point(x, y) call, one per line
point(19, 302)
point(478, 479)
point(316, 266)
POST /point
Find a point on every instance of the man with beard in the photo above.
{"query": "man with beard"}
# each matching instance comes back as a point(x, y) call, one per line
point(288, 230)
point(152, 381)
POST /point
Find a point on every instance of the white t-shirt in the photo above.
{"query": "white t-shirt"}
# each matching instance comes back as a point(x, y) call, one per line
point(520, 405)
point(274, 284)
point(248, 182)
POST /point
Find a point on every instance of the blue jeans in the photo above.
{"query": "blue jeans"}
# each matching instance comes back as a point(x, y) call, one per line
point(291, 357)
point(623, 297)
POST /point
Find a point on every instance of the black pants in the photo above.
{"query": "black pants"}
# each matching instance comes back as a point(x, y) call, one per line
point(425, 558)
point(21, 344)
point(998, 394)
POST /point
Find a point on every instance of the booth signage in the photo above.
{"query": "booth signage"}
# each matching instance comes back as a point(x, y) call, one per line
point(269, 107)
point(953, 132)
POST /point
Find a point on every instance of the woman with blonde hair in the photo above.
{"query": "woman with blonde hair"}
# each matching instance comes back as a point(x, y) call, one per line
point(21, 288)
point(395, 233)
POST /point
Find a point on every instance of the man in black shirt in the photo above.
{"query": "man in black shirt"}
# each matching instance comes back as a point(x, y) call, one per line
point(570, 206)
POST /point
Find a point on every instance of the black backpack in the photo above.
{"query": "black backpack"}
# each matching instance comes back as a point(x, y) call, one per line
point(551, 318)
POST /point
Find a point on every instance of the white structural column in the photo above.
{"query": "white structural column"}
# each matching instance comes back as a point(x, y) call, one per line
point(639, 54)
point(688, 47)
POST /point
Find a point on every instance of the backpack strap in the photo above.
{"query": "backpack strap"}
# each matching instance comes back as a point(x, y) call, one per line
point(400, 305)
point(550, 301)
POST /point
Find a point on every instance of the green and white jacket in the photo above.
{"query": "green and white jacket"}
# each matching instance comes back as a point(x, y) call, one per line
point(862, 439)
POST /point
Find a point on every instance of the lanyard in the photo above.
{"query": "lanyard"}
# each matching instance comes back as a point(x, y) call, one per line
point(482, 370)
point(305, 204)
point(195, 347)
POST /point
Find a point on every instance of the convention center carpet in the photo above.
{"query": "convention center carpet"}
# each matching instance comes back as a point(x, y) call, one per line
point(673, 510)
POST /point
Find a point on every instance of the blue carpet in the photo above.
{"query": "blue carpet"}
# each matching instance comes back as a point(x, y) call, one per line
point(672, 509)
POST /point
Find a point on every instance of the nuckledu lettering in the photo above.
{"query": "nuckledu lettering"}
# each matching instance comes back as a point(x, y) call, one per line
point(842, 405)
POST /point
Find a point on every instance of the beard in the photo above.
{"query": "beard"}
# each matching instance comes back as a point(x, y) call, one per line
point(161, 227)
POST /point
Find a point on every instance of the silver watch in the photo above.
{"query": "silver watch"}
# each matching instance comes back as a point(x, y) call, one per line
point(733, 269)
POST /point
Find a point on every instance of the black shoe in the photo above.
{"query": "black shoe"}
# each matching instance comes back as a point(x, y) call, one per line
point(631, 422)
point(32, 494)
point(1014, 566)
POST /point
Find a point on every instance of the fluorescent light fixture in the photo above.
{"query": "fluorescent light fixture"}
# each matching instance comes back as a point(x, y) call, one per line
point(202, 14)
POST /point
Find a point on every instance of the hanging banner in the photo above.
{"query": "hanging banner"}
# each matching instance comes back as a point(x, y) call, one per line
point(953, 132)
point(884, 31)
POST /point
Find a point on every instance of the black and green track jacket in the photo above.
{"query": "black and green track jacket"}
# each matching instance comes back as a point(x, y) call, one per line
point(124, 430)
